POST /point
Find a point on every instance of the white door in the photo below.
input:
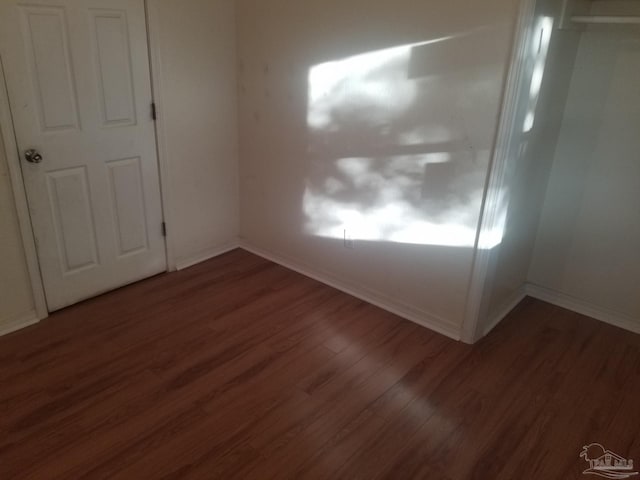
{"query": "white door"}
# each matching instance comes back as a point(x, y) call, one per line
point(78, 77)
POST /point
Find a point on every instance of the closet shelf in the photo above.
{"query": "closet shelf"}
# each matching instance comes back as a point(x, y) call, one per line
point(606, 19)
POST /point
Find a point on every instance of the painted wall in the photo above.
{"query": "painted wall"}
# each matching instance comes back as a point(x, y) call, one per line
point(16, 298)
point(587, 244)
point(197, 76)
point(549, 58)
point(378, 130)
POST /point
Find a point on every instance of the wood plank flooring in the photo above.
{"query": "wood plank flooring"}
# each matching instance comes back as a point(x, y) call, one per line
point(240, 369)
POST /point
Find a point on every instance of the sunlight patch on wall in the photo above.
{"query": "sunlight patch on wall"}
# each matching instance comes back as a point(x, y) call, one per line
point(388, 214)
point(540, 51)
point(392, 157)
point(395, 222)
point(375, 78)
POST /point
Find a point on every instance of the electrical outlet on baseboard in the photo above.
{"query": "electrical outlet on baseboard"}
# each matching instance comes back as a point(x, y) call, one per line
point(348, 239)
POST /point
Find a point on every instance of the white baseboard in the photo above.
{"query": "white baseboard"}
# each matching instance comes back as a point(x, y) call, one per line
point(205, 255)
point(422, 318)
point(584, 308)
point(505, 309)
point(19, 322)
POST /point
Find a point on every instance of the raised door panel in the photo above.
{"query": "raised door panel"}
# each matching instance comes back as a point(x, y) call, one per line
point(73, 220)
point(127, 193)
point(112, 52)
point(46, 36)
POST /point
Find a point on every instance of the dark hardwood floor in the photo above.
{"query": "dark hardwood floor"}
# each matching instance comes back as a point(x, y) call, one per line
point(240, 369)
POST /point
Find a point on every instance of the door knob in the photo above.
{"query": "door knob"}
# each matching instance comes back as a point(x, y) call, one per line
point(32, 156)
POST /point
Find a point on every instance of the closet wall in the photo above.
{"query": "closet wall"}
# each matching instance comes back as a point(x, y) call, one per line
point(586, 254)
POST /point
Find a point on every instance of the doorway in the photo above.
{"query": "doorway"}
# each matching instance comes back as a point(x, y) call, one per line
point(79, 86)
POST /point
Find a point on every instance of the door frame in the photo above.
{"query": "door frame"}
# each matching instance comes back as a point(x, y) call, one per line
point(12, 153)
point(490, 220)
point(20, 199)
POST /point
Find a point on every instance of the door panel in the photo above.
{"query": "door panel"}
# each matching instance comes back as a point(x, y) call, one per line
point(46, 36)
point(112, 55)
point(128, 205)
point(79, 85)
point(73, 219)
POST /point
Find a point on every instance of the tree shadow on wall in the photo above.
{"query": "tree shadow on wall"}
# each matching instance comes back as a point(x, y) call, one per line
point(399, 143)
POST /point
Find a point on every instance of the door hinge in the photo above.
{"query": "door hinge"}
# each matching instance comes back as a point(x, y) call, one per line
point(164, 229)
point(154, 114)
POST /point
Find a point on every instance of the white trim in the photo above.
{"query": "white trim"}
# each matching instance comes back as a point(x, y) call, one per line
point(19, 322)
point(490, 216)
point(422, 318)
point(205, 255)
point(571, 8)
point(162, 150)
point(606, 20)
point(506, 309)
point(583, 307)
point(20, 199)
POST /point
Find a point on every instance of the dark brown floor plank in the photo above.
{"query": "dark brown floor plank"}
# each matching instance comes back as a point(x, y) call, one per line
point(238, 368)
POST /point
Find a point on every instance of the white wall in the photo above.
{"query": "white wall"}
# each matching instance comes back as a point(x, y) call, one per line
point(16, 298)
point(530, 158)
point(587, 244)
point(195, 42)
point(372, 116)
